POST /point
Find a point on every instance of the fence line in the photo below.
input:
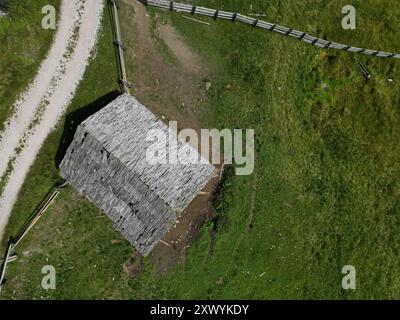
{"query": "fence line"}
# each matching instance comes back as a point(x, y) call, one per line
point(118, 42)
point(5, 262)
point(28, 225)
point(303, 36)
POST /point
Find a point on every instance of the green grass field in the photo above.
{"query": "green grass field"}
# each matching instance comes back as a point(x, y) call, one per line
point(327, 170)
point(24, 45)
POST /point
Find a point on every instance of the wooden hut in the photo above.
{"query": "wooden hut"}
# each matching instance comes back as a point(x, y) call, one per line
point(107, 163)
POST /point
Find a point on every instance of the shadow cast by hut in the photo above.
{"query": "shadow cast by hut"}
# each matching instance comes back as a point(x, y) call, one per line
point(75, 118)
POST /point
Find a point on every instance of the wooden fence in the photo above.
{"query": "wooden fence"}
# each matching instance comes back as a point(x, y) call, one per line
point(303, 36)
point(125, 85)
point(28, 225)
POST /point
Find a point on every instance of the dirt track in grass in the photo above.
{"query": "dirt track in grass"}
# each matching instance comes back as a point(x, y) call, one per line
point(169, 78)
point(40, 107)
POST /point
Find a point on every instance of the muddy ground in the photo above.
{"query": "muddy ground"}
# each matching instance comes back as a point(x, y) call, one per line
point(170, 79)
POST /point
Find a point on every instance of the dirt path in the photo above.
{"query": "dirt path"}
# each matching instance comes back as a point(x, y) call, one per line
point(28, 103)
point(189, 60)
point(174, 90)
point(40, 107)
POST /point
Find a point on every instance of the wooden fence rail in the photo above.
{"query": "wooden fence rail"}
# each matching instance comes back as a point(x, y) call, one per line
point(125, 85)
point(28, 225)
point(6, 260)
point(303, 36)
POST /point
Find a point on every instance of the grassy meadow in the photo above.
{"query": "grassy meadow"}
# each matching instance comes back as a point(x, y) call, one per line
point(326, 183)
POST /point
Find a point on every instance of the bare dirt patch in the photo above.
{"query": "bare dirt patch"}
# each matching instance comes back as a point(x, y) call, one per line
point(134, 266)
point(173, 91)
point(172, 249)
